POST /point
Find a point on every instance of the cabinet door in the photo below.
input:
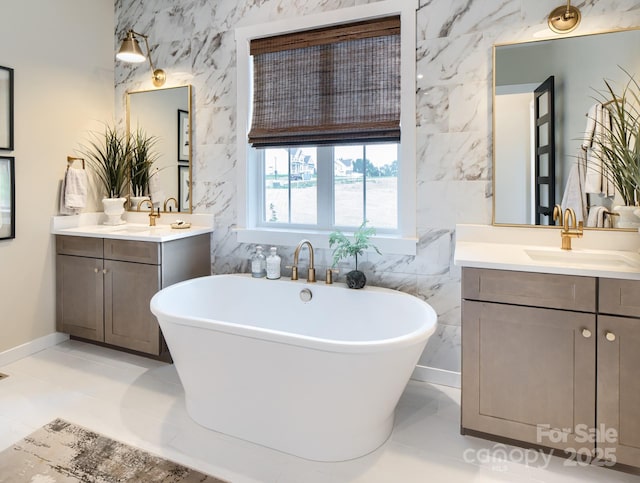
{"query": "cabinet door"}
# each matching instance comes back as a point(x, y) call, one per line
point(79, 305)
point(527, 371)
point(127, 319)
point(618, 409)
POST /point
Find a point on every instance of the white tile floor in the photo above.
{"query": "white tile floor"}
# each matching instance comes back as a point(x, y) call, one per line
point(140, 402)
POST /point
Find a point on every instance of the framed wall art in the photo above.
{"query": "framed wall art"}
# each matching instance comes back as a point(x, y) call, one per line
point(6, 108)
point(7, 197)
point(184, 193)
point(183, 136)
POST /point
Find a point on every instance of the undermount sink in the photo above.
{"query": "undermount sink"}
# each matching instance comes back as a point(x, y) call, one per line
point(579, 257)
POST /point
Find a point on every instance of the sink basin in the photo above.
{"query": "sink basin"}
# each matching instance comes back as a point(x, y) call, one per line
point(584, 258)
point(130, 228)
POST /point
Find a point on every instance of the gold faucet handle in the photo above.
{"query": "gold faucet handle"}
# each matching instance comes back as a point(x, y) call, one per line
point(294, 271)
point(329, 276)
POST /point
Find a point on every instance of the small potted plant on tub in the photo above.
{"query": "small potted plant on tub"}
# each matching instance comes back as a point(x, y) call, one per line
point(345, 248)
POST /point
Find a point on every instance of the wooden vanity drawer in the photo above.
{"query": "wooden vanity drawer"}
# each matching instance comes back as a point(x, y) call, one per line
point(565, 292)
point(132, 251)
point(80, 246)
point(619, 297)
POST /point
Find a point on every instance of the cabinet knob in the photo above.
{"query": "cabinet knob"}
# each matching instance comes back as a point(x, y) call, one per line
point(104, 270)
point(610, 336)
point(96, 270)
point(586, 333)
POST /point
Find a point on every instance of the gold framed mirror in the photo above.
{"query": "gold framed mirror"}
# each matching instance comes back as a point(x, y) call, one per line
point(577, 67)
point(166, 117)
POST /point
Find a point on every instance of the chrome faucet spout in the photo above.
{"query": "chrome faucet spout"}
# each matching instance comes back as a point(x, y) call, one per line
point(311, 275)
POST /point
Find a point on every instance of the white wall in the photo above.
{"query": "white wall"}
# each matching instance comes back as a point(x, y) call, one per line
point(513, 158)
point(62, 52)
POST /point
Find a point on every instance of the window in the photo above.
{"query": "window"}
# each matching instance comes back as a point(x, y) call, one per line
point(358, 183)
point(319, 151)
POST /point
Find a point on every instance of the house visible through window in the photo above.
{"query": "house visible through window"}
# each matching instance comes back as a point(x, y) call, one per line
point(363, 185)
point(326, 125)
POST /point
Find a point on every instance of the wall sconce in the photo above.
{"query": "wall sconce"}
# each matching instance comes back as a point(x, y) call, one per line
point(563, 20)
point(130, 52)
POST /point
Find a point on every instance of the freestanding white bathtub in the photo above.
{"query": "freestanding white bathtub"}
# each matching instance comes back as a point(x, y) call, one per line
point(319, 379)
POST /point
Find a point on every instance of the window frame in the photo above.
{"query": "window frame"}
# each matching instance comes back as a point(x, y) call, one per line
point(249, 193)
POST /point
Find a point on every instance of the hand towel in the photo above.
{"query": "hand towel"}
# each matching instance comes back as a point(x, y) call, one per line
point(155, 191)
point(75, 189)
point(596, 217)
point(574, 194)
point(597, 180)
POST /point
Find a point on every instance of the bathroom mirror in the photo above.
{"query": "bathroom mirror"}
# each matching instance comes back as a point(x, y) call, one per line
point(165, 114)
point(577, 67)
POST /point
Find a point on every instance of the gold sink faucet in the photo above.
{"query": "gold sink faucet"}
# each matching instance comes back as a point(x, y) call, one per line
point(166, 203)
point(311, 274)
point(569, 227)
point(152, 214)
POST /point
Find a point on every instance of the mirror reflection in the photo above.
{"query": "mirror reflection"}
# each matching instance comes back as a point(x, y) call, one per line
point(543, 94)
point(164, 115)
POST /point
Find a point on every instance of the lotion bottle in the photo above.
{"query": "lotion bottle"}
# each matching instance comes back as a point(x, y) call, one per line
point(273, 265)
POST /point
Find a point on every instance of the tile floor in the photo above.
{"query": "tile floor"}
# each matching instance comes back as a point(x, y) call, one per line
point(140, 402)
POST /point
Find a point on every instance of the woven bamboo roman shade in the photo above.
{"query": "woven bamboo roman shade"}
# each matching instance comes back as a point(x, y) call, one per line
point(333, 85)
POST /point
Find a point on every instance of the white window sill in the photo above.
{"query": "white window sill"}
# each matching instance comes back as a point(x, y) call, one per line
point(387, 244)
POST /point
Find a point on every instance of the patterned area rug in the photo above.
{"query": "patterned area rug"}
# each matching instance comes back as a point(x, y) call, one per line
point(63, 452)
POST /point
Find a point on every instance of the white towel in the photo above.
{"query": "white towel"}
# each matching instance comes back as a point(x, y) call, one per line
point(597, 178)
point(75, 189)
point(597, 218)
point(62, 209)
point(155, 191)
point(574, 194)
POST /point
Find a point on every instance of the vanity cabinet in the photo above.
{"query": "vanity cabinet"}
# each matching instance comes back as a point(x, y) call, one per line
point(543, 363)
point(528, 355)
point(104, 286)
point(618, 394)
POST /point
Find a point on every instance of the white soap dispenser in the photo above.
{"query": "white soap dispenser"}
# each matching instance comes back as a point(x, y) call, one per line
point(273, 264)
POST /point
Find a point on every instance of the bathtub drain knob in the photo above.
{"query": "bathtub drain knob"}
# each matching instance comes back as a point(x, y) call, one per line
point(305, 295)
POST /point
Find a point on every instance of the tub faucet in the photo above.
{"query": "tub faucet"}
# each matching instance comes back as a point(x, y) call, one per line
point(311, 274)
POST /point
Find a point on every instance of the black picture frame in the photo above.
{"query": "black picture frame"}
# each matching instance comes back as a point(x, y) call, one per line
point(7, 197)
point(183, 136)
point(6, 108)
point(184, 192)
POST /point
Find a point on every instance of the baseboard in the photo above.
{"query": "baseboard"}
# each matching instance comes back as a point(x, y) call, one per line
point(31, 347)
point(434, 375)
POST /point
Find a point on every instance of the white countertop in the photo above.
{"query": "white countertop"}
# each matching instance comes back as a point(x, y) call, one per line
point(136, 227)
point(597, 254)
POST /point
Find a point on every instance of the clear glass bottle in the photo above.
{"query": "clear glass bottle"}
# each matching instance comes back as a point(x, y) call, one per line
point(258, 264)
point(273, 264)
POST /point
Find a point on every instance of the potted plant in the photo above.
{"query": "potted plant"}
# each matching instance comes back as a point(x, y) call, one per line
point(618, 148)
point(143, 155)
point(347, 248)
point(109, 155)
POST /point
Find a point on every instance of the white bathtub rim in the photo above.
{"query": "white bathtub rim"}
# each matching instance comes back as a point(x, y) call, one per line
point(417, 336)
point(298, 340)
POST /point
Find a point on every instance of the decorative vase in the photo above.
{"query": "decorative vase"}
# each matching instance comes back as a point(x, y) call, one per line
point(113, 209)
point(356, 279)
point(628, 217)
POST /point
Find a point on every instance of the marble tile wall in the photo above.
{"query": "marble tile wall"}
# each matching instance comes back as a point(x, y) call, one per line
point(193, 40)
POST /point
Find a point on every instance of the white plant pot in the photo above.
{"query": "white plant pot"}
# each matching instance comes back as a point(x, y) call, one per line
point(136, 200)
point(628, 217)
point(113, 209)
